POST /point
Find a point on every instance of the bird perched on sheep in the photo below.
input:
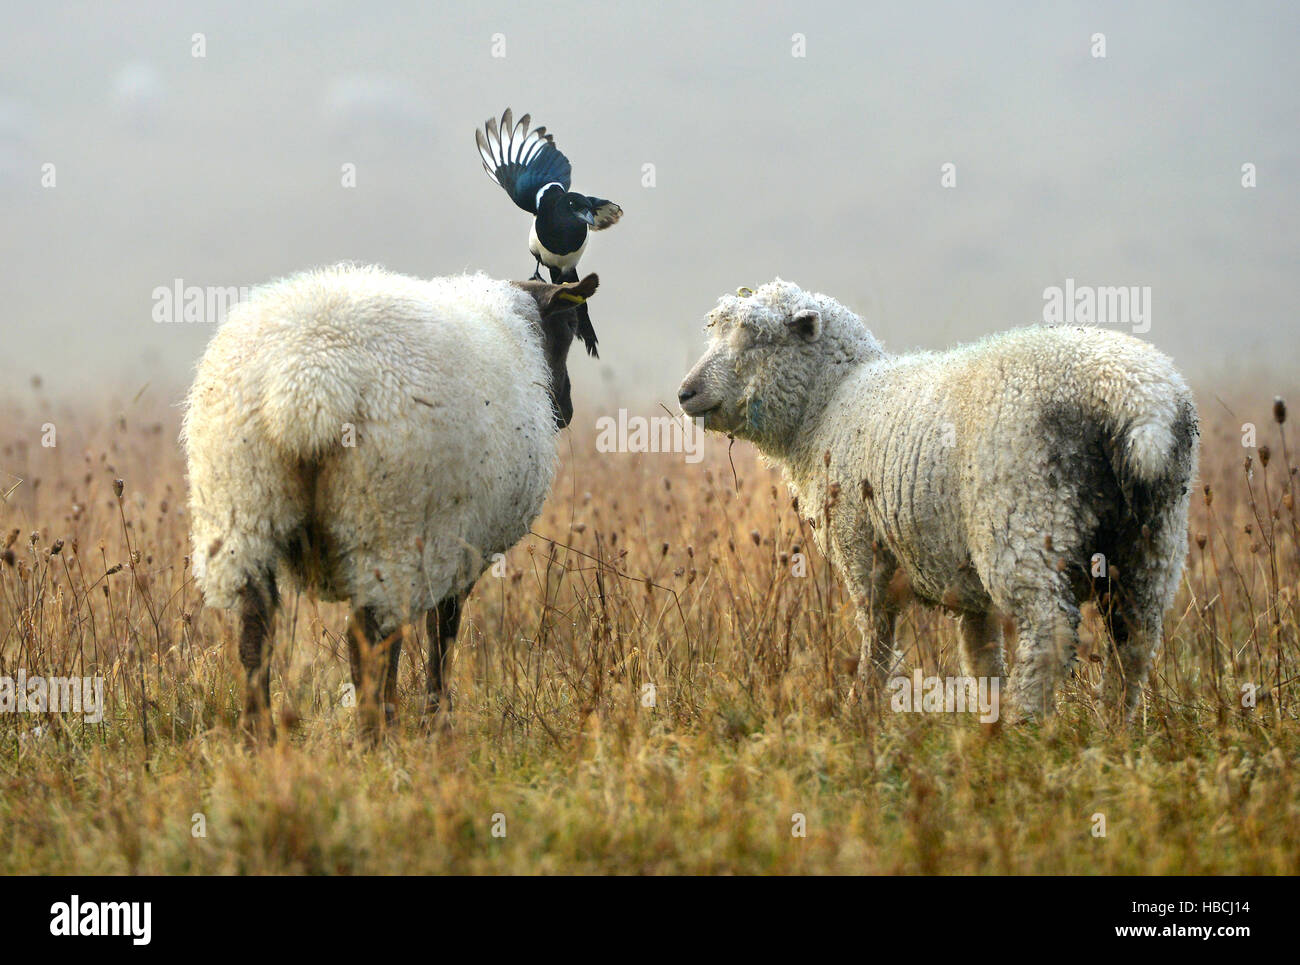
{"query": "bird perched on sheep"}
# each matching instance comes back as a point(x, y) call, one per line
point(530, 168)
point(376, 438)
point(995, 476)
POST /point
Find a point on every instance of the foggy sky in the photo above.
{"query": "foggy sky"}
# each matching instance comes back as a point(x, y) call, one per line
point(823, 169)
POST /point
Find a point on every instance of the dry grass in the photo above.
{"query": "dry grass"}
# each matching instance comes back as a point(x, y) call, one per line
point(645, 570)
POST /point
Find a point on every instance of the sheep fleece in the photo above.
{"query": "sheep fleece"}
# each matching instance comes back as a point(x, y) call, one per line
point(375, 437)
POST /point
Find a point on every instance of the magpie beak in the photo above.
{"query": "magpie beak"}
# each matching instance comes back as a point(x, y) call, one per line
point(586, 215)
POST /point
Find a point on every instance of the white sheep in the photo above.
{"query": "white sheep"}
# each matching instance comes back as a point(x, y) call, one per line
point(376, 438)
point(992, 475)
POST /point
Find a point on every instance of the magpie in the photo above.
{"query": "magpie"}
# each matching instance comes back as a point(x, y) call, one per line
point(531, 169)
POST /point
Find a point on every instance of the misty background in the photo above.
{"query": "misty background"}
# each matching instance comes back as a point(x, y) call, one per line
point(226, 169)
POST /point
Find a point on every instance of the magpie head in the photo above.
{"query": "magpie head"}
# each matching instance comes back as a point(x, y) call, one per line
point(579, 205)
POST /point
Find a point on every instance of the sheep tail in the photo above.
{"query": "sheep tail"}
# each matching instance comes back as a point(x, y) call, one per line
point(311, 401)
point(1157, 433)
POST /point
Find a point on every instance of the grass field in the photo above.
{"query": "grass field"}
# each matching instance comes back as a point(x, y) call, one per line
point(644, 570)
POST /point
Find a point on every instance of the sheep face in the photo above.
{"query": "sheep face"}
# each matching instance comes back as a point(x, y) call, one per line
point(557, 304)
point(762, 347)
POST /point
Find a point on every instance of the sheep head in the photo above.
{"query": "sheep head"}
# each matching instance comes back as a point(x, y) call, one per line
point(557, 305)
point(772, 355)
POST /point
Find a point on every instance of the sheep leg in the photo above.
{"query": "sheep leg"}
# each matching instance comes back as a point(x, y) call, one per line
point(981, 645)
point(443, 623)
point(876, 616)
point(877, 658)
point(390, 679)
point(255, 617)
point(1047, 646)
point(1137, 635)
point(374, 659)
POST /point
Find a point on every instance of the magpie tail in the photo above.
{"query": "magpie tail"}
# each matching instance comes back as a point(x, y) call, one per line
point(585, 330)
point(605, 213)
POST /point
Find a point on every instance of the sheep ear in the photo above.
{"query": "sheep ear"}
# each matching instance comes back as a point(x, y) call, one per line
point(807, 324)
point(583, 289)
point(558, 298)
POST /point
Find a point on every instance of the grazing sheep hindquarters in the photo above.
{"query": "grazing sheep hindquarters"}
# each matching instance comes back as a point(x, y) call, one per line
point(990, 475)
point(374, 438)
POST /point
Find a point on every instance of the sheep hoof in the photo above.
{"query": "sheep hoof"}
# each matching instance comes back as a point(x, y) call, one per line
point(437, 715)
point(858, 691)
point(258, 729)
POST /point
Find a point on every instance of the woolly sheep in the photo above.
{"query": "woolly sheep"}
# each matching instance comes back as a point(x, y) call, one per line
point(990, 475)
point(377, 438)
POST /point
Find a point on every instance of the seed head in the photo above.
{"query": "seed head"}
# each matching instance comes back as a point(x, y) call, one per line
point(1279, 410)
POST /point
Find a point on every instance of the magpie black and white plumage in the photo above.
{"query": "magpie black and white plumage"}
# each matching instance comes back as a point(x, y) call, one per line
point(531, 169)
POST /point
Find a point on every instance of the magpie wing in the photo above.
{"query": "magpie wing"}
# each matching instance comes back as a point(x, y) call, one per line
point(521, 161)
